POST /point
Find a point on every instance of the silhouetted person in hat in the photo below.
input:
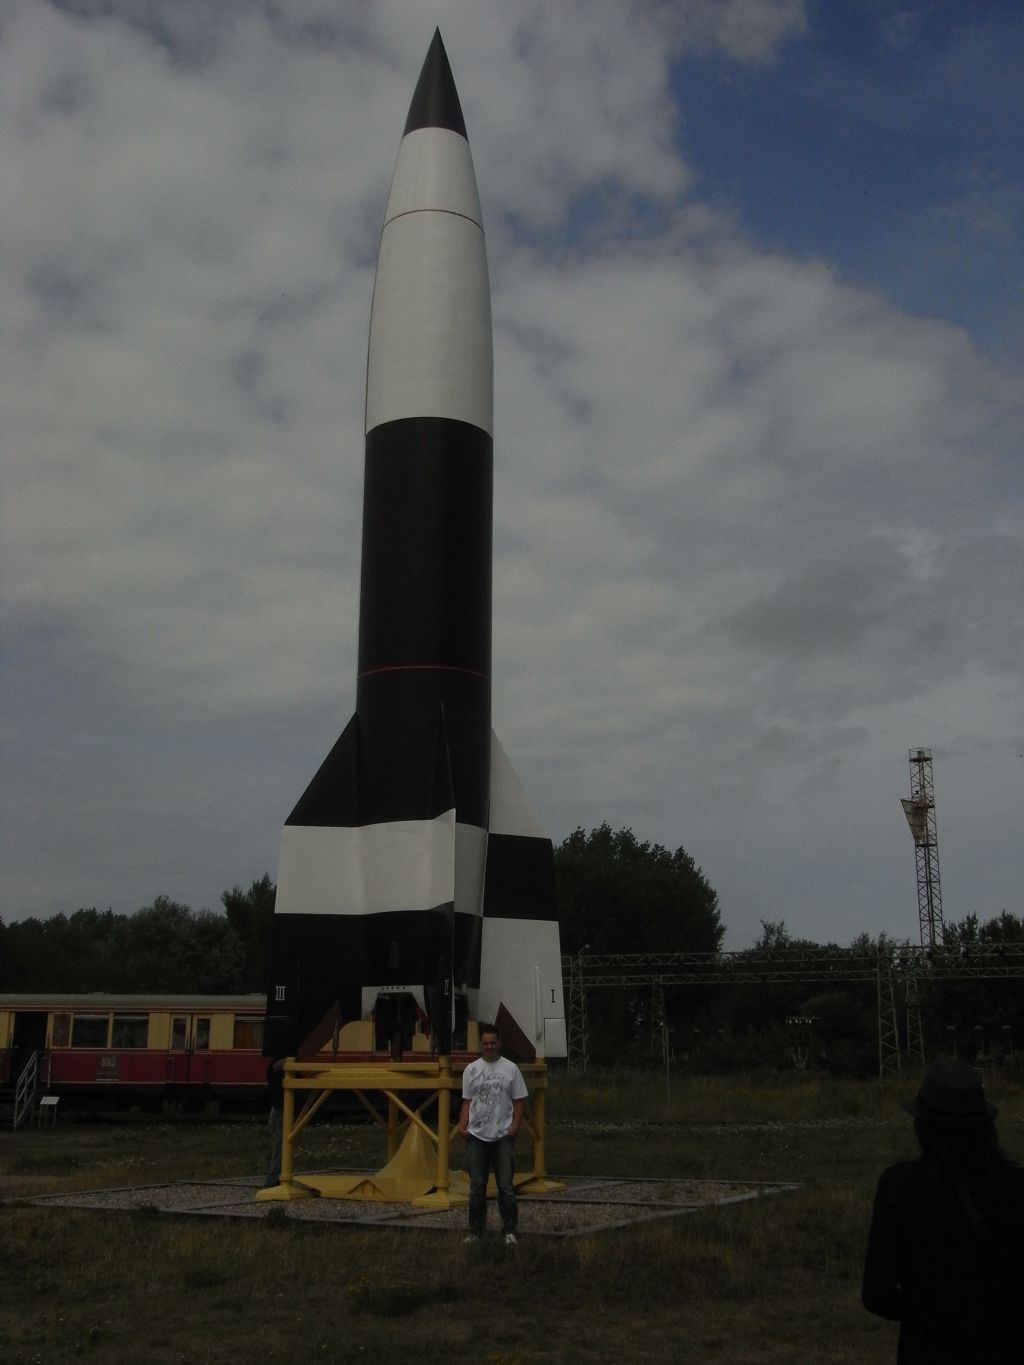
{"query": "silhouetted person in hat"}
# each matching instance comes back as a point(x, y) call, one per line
point(945, 1255)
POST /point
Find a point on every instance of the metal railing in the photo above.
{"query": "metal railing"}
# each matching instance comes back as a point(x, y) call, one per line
point(25, 1090)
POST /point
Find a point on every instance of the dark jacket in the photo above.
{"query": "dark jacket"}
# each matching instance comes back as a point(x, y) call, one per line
point(952, 1277)
point(275, 1085)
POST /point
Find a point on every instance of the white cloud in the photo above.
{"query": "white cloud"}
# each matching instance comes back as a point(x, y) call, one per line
point(752, 526)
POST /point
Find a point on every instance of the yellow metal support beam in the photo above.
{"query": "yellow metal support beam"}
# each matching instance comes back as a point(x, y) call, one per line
point(538, 1183)
point(418, 1167)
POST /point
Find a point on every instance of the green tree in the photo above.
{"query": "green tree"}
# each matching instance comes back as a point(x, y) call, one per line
point(169, 948)
point(1005, 928)
point(163, 948)
point(981, 1018)
point(619, 895)
point(250, 913)
point(62, 953)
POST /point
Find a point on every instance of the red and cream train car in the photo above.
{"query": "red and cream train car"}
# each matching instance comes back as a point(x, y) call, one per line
point(176, 1053)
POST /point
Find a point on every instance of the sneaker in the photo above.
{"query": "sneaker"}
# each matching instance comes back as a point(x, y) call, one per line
point(471, 1239)
point(511, 1239)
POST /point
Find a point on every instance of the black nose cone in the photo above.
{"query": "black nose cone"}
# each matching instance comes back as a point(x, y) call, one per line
point(435, 103)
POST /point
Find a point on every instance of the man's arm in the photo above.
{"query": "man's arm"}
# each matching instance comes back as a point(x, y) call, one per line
point(517, 1117)
point(464, 1119)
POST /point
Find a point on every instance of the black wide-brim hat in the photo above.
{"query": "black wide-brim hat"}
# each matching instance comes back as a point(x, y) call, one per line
point(951, 1092)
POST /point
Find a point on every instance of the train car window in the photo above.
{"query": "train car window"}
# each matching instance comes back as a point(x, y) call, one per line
point(130, 1030)
point(248, 1031)
point(179, 1033)
point(90, 1030)
point(202, 1035)
point(61, 1030)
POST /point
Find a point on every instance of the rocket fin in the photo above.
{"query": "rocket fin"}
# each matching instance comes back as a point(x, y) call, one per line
point(520, 965)
point(514, 1043)
point(332, 797)
point(304, 986)
point(359, 905)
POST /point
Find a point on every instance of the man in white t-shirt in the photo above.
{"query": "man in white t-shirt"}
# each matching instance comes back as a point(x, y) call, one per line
point(493, 1093)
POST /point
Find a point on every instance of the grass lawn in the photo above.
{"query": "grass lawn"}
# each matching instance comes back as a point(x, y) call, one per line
point(775, 1280)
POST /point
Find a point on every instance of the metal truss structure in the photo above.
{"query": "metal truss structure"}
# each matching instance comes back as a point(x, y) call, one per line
point(572, 971)
point(920, 813)
point(418, 1115)
point(896, 972)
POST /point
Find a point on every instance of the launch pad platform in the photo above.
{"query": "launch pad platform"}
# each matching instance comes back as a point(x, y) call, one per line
point(587, 1205)
point(417, 1118)
point(415, 1188)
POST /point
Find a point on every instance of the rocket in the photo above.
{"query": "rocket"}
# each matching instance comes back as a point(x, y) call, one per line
point(413, 864)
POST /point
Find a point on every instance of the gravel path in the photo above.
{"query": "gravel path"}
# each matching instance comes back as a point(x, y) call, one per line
point(587, 1205)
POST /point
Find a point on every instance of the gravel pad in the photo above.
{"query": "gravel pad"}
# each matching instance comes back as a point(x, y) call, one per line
point(587, 1205)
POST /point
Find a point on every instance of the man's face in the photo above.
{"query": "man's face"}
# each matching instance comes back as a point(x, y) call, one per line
point(490, 1048)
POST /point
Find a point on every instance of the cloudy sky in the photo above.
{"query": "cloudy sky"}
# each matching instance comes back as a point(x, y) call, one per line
point(759, 352)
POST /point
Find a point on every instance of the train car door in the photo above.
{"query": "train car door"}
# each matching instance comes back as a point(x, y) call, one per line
point(188, 1060)
point(29, 1036)
point(177, 1057)
point(199, 1057)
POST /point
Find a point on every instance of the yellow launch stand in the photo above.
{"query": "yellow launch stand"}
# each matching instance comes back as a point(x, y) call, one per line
point(418, 1169)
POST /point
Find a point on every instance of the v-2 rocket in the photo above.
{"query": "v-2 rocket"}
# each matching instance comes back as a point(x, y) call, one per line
point(413, 861)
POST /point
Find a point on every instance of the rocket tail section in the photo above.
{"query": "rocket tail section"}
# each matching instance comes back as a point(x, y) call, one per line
point(362, 907)
point(520, 962)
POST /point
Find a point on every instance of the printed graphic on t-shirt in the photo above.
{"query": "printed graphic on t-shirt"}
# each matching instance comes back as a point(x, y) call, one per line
point(491, 1087)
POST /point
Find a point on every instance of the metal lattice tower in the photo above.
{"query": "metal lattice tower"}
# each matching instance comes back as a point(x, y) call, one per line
point(577, 1059)
point(915, 1029)
point(888, 1029)
point(920, 813)
point(659, 1020)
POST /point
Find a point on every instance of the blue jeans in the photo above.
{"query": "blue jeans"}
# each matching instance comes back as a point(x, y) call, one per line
point(482, 1158)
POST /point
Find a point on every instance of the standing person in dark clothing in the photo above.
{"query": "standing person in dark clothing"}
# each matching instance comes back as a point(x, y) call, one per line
point(275, 1119)
point(945, 1256)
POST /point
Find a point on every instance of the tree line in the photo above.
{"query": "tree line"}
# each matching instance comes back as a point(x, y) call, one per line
point(833, 1027)
point(164, 948)
point(616, 894)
